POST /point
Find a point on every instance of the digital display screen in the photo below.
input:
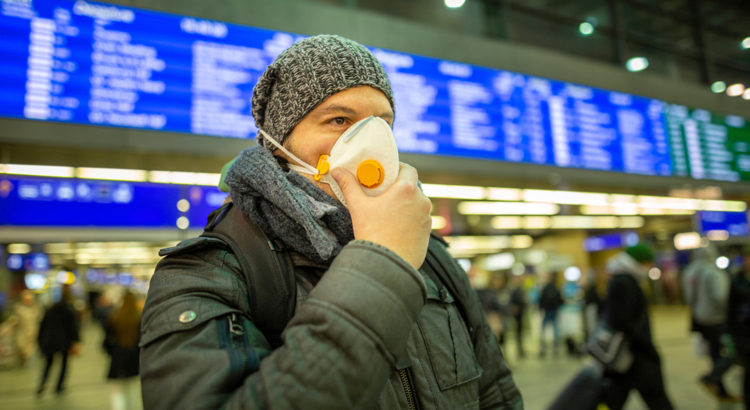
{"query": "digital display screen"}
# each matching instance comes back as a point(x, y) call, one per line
point(709, 146)
point(62, 202)
point(91, 63)
point(734, 223)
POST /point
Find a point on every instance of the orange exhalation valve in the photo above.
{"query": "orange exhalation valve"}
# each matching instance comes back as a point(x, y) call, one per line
point(370, 173)
point(323, 166)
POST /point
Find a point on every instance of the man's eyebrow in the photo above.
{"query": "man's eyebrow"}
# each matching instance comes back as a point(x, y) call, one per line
point(337, 108)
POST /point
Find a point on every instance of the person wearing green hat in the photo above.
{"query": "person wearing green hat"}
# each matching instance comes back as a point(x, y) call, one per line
point(626, 310)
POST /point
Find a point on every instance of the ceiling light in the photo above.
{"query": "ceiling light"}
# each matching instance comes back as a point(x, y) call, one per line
point(521, 241)
point(654, 273)
point(585, 222)
point(438, 222)
point(719, 87)
point(735, 90)
point(722, 262)
point(37, 170)
point(745, 44)
point(183, 205)
point(464, 263)
point(537, 222)
point(186, 178)
point(506, 222)
point(637, 64)
point(572, 273)
point(727, 206)
point(503, 194)
point(718, 235)
point(454, 4)
point(586, 28)
point(454, 191)
point(620, 209)
point(478, 242)
point(746, 94)
point(501, 261)
point(19, 248)
point(507, 208)
point(631, 222)
point(565, 197)
point(688, 240)
point(183, 222)
point(113, 174)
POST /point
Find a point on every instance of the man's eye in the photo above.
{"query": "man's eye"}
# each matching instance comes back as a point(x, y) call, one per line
point(338, 121)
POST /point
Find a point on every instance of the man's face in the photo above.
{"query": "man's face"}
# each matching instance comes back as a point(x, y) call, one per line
point(321, 128)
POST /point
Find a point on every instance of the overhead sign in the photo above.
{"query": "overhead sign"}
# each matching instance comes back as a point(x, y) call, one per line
point(729, 223)
point(91, 63)
point(63, 202)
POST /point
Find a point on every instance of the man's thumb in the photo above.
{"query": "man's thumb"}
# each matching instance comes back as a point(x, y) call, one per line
point(348, 183)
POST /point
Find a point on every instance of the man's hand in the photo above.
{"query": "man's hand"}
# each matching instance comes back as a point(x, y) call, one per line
point(398, 219)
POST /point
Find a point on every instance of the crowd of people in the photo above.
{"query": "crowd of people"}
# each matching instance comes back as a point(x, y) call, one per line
point(54, 334)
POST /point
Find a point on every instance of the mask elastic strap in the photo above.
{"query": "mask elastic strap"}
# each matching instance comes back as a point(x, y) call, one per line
point(304, 165)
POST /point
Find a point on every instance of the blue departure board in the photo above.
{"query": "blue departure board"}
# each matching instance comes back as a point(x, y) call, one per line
point(93, 63)
point(70, 202)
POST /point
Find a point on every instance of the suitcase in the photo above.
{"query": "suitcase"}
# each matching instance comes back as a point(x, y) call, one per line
point(584, 392)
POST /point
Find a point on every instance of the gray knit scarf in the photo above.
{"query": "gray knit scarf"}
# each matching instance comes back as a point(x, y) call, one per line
point(288, 207)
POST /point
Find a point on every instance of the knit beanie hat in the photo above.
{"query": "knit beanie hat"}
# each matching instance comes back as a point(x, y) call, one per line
point(307, 73)
point(641, 253)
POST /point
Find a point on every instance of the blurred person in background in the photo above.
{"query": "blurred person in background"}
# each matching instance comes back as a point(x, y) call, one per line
point(494, 300)
point(592, 305)
point(25, 318)
point(626, 310)
point(123, 332)
point(738, 322)
point(550, 300)
point(102, 310)
point(366, 321)
point(58, 334)
point(706, 291)
point(517, 309)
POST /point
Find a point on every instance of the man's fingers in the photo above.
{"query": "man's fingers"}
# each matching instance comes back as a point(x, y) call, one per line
point(348, 183)
point(408, 173)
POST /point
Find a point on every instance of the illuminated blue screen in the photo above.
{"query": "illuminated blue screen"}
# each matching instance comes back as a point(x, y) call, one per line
point(88, 203)
point(735, 223)
point(91, 63)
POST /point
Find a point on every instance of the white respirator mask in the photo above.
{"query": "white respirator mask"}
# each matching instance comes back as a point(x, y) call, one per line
point(367, 149)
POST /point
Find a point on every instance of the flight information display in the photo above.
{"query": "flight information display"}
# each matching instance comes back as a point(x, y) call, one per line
point(93, 63)
point(708, 146)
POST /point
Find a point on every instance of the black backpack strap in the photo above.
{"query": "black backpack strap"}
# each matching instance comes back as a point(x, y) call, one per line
point(267, 270)
point(439, 266)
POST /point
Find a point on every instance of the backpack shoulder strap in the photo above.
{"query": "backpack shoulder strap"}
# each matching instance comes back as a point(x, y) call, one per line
point(440, 267)
point(267, 270)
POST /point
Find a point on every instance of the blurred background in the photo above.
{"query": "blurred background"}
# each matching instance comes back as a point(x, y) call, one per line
point(549, 134)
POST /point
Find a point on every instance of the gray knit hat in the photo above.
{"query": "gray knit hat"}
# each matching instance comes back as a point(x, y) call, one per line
point(307, 73)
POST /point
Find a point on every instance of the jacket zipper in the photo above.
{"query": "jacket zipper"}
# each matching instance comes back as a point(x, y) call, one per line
point(408, 389)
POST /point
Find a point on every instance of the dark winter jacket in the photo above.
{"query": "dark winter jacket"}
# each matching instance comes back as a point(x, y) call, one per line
point(550, 299)
point(626, 308)
point(59, 329)
point(372, 334)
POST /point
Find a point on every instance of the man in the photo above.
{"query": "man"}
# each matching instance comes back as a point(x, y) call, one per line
point(738, 322)
point(58, 334)
point(371, 327)
point(626, 310)
point(550, 301)
point(706, 289)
